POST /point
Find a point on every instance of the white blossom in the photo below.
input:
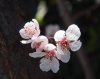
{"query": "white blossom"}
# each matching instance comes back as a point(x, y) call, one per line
point(50, 58)
point(68, 40)
point(30, 31)
point(39, 43)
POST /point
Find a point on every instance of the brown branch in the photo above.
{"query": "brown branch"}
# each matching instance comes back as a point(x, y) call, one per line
point(68, 20)
point(64, 15)
point(84, 12)
point(85, 65)
point(4, 52)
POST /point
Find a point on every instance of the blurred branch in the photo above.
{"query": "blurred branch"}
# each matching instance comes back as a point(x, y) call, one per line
point(68, 20)
point(63, 13)
point(84, 12)
point(85, 65)
point(4, 52)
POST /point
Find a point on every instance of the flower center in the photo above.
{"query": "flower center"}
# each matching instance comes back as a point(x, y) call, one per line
point(64, 43)
point(30, 31)
point(50, 54)
point(37, 45)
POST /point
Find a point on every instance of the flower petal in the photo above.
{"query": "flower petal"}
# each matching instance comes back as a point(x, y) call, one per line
point(74, 46)
point(49, 47)
point(54, 65)
point(33, 27)
point(73, 32)
point(44, 64)
point(33, 44)
point(41, 40)
point(26, 41)
point(59, 35)
point(23, 34)
point(35, 22)
point(63, 55)
point(44, 41)
point(39, 50)
point(37, 54)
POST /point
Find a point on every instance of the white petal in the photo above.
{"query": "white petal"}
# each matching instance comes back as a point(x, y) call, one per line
point(49, 47)
point(54, 65)
point(44, 64)
point(33, 44)
point(43, 60)
point(35, 22)
point(59, 35)
point(38, 50)
point(27, 24)
point(73, 32)
point(37, 54)
point(26, 41)
point(34, 26)
point(23, 34)
point(34, 37)
point(63, 55)
point(43, 40)
point(74, 46)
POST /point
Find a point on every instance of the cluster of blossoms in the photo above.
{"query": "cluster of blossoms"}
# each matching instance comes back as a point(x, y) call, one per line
point(51, 54)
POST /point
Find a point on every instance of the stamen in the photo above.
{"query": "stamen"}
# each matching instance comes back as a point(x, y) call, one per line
point(30, 31)
point(64, 43)
point(37, 45)
point(50, 54)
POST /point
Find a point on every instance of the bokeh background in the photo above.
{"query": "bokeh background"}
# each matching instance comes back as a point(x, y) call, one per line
point(14, 60)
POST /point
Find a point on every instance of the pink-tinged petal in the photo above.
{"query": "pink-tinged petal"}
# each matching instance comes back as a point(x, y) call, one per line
point(39, 42)
point(39, 50)
point(23, 34)
point(76, 45)
point(32, 29)
point(37, 54)
point(34, 37)
point(35, 23)
point(62, 54)
point(33, 44)
point(59, 35)
point(44, 64)
point(44, 41)
point(73, 32)
point(37, 33)
point(26, 41)
point(49, 47)
point(54, 65)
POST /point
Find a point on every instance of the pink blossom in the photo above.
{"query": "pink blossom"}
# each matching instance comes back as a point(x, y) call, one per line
point(68, 40)
point(30, 31)
point(50, 58)
point(39, 43)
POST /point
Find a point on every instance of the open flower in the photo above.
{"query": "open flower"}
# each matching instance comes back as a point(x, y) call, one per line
point(50, 58)
point(39, 43)
point(68, 40)
point(30, 31)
